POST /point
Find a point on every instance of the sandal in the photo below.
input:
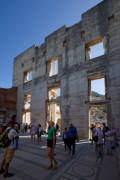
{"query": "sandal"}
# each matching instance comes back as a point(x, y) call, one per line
point(55, 165)
point(50, 167)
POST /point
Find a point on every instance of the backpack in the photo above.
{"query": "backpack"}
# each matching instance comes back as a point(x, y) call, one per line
point(4, 140)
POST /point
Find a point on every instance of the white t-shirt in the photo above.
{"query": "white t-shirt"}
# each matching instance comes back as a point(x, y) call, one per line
point(12, 135)
point(100, 136)
point(95, 130)
point(33, 130)
point(40, 130)
point(107, 134)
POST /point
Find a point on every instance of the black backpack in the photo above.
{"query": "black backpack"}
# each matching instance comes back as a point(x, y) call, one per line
point(4, 140)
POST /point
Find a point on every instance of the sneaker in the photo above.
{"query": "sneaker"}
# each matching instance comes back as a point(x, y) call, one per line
point(8, 175)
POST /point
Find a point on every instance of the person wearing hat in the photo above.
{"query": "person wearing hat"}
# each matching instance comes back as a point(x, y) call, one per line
point(9, 151)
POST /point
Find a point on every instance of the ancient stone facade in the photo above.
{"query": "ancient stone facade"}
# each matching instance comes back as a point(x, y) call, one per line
point(69, 82)
point(8, 101)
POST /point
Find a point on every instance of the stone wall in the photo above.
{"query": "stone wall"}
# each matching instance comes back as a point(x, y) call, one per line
point(8, 101)
point(69, 44)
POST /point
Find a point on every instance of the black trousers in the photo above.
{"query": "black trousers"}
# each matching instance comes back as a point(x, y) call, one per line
point(66, 143)
point(71, 145)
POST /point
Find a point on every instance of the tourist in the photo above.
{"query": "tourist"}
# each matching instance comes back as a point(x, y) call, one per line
point(65, 138)
point(33, 132)
point(114, 134)
point(72, 137)
point(25, 128)
point(104, 129)
point(95, 137)
point(99, 143)
point(16, 127)
point(112, 138)
point(22, 128)
point(10, 150)
point(91, 129)
point(39, 133)
point(51, 141)
point(29, 127)
point(108, 142)
point(57, 128)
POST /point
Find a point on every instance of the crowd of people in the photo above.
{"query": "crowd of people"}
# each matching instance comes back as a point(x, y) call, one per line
point(33, 131)
point(104, 138)
point(69, 137)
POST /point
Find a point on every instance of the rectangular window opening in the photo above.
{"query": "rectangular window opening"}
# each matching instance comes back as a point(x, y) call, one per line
point(27, 101)
point(26, 119)
point(27, 76)
point(54, 93)
point(52, 67)
point(97, 89)
point(54, 114)
point(95, 49)
point(97, 117)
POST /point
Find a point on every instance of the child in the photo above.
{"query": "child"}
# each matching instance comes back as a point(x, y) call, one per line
point(65, 138)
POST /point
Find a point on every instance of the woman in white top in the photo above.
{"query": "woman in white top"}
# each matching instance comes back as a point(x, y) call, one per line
point(99, 143)
point(108, 141)
point(33, 132)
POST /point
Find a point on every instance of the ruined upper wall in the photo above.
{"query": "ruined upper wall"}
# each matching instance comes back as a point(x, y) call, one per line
point(22, 62)
point(95, 21)
point(71, 41)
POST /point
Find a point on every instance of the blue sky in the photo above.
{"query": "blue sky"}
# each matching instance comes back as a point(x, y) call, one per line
point(27, 22)
point(98, 86)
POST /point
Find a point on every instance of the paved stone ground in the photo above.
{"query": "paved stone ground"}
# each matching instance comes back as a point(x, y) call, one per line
point(31, 162)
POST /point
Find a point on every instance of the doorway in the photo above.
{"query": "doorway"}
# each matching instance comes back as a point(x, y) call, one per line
point(97, 116)
point(54, 114)
point(26, 118)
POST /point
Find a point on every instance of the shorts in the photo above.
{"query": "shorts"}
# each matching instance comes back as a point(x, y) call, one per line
point(50, 143)
point(8, 155)
point(38, 135)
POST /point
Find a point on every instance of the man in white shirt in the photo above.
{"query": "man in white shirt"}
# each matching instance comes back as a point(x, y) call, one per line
point(9, 151)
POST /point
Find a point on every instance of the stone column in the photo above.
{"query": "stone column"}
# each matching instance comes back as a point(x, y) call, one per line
point(88, 53)
point(54, 67)
point(106, 44)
